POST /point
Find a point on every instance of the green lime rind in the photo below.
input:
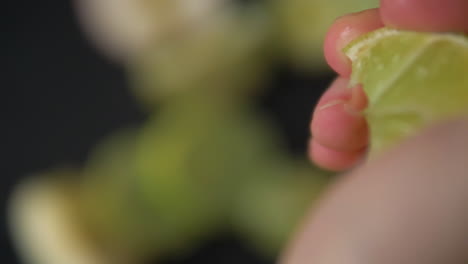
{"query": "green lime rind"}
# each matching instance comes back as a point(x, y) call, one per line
point(411, 79)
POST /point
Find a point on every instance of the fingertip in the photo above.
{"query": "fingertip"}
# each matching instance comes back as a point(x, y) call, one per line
point(337, 125)
point(337, 121)
point(343, 31)
point(425, 15)
point(331, 159)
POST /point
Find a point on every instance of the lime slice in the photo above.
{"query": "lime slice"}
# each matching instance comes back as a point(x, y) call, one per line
point(412, 79)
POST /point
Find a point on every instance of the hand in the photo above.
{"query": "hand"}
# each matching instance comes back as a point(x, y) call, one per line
point(339, 132)
point(410, 205)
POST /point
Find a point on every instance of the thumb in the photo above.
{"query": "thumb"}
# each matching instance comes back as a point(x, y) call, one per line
point(409, 206)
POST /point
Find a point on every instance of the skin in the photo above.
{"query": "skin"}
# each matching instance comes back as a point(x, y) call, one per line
point(339, 133)
point(406, 206)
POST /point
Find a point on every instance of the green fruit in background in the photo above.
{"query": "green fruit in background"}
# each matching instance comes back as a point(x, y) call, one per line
point(271, 205)
point(191, 157)
point(122, 28)
point(45, 225)
point(411, 79)
point(118, 213)
point(110, 203)
point(226, 58)
point(302, 25)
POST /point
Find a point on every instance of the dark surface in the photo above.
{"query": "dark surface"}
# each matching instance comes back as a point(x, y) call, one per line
point(59, 97)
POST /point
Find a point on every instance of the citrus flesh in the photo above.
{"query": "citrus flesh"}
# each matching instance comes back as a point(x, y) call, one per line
point(411, 79)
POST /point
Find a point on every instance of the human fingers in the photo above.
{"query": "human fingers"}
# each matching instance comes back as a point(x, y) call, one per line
point(337, 121)
point(339, 131)
point(344, 30)
point(331, 159)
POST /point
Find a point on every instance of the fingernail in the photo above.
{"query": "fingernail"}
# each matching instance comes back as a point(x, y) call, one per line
point(331, 104)
point(358, 100)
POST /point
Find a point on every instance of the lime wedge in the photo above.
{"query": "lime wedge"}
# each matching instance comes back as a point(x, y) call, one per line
point(412, 79)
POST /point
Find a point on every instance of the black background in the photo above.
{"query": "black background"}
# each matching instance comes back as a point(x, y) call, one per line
point(60, 97)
